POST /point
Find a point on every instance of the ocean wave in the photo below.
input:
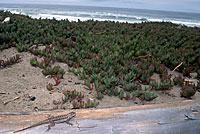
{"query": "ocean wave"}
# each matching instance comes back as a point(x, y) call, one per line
point(187, 23)
point(12, 10)
point(95, 15)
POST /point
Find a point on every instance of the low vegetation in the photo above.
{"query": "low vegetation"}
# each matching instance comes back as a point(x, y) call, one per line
point(113, 58)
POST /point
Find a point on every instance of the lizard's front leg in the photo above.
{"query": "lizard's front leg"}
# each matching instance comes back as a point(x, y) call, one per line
point(67, 121)
point(52, 123)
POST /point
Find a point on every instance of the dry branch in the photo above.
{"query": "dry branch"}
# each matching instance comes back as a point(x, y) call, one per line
point(177, 67)
point(6, 102)
point(145, 56)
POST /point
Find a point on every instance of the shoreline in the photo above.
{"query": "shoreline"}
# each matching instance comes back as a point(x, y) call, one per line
point(107, 15)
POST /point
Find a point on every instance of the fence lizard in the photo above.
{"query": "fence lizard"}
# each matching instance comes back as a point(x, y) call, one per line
point(52, 120)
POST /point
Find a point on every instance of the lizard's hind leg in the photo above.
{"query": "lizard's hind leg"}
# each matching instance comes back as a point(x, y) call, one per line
point(50, 125)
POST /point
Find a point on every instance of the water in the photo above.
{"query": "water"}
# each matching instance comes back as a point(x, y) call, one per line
point(73, 13)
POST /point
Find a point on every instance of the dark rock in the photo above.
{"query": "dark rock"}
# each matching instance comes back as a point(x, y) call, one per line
point(73, 38)
point(36, 109)
point(2, 65)
point(77, 83)
point(34, 87)
point(32, 98)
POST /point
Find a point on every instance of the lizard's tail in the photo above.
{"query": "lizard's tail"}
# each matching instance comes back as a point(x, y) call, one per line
point(27, 128)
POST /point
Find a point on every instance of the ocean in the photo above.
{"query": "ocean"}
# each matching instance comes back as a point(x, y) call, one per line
point(83, 13)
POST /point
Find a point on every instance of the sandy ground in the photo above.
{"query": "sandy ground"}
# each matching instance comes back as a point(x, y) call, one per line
point(24, 81)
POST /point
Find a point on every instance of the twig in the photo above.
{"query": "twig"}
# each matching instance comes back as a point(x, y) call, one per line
point(48, 76)
point(189, 81)
point(177, 67)
point(2, 92)
point(6, 102)
point(149, 55)
point(100, 33)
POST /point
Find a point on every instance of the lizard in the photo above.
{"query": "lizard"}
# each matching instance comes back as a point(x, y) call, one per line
point(52, 120)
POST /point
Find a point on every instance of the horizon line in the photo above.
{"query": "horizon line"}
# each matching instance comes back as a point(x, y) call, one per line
point(100, 7)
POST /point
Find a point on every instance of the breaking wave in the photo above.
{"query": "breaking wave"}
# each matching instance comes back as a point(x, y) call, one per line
point(73, 15)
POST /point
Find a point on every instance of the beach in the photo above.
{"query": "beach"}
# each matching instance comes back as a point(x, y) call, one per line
point(95, 64)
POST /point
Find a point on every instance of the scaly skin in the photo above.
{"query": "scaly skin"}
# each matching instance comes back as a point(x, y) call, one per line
point(52, 120)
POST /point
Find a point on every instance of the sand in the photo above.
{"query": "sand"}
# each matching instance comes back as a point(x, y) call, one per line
point(24, 82)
